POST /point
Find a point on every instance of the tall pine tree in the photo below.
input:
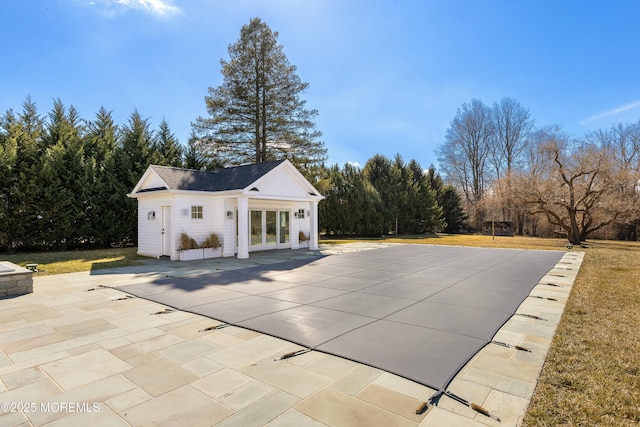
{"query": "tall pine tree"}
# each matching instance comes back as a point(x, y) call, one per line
point(257, 114)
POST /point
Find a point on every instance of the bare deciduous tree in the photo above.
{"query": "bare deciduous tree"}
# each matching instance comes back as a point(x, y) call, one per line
point(576, 188)
point(512, 125)
point(464, 154)
point(623, 143)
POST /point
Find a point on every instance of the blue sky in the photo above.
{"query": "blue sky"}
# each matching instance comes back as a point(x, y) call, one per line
point(386, 76)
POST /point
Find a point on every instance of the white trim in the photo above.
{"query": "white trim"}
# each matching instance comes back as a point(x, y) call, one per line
point(146, 174)
point(302, 181)
point(243, 228)
point(313, 232)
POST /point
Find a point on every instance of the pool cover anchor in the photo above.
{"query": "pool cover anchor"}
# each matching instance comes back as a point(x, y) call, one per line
point(517, 347)
point(96, 288)
point(546, 298)
point(165, 311)
point(433, 400)
point(215, 328)
point(531, 316)
point(293, 354)
point(552, 284)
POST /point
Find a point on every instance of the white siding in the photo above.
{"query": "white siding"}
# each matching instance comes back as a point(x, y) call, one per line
point(304, 224)
point(282, 183)
point(212, 220)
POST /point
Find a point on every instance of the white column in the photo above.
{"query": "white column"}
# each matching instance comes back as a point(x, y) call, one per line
point(243, 228)
point(313, 226)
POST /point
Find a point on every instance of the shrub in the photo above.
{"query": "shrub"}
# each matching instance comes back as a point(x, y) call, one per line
point(187, 242)
point(302, 236)
point(212, 241)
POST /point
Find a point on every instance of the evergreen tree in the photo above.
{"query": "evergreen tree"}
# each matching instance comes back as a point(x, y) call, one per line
point(134, 156)
point(136, 150)
point(196, 157)
point(452, 210)
point(257, 114)
point(168, 151)
point(351, 205)
point(332, 210)
point(428, 213)
point(62, 180)
point(22, 136)
point(385, 177)
point(8, 158)
point(104, 211)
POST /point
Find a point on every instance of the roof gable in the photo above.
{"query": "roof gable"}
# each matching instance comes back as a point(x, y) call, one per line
point(285, 181)
point(224, 179)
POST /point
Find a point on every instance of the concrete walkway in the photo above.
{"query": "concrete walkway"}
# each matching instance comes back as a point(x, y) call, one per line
point(74, 353)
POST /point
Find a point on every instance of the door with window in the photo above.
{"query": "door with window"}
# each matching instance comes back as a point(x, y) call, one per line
point(283, 230)
point(165, 239)
point(268, 229)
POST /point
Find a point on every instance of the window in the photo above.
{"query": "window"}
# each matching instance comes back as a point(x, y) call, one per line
point(196, 212)
point(300, 213)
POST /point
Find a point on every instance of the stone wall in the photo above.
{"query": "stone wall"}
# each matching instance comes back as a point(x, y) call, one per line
point(15, 280)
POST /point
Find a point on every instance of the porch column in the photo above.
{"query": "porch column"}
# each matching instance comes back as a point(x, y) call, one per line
point(243, 227)
point(313, 226)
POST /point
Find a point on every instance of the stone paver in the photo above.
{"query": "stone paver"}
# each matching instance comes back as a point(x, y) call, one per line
point(72, 346)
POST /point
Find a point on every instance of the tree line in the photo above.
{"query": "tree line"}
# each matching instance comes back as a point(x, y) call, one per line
point(64, 179)
point(541, 179)
point(387, 197)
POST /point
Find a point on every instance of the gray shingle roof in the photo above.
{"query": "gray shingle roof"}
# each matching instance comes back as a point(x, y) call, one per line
point(232, 178)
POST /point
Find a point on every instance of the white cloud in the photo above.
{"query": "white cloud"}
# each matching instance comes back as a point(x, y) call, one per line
point(611, 112)
point(160, 8)
point(157, 7)
point(354, 164)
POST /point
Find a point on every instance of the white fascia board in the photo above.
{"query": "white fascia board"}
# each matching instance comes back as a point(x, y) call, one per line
point(158, 193)
point(253, 196)
point(296, 175)
point(208, 193)
point(144, 177)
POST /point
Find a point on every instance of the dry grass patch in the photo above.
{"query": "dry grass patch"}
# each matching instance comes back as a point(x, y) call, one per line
point(592, 373)
point(74, 261)
point(516, 242)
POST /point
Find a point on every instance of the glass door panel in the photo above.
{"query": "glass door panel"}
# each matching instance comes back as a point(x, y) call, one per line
point(284, 227)
point(270, 229)
point(256, 228)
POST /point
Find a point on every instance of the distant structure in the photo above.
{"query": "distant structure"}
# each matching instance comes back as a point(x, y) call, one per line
point(497, 228)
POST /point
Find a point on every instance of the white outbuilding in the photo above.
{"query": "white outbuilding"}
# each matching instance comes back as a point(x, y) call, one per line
point(255, 207)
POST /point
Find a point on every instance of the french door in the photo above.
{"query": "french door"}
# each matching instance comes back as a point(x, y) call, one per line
point(268, 229)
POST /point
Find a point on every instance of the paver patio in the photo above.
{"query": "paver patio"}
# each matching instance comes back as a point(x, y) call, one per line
point(74, 341)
